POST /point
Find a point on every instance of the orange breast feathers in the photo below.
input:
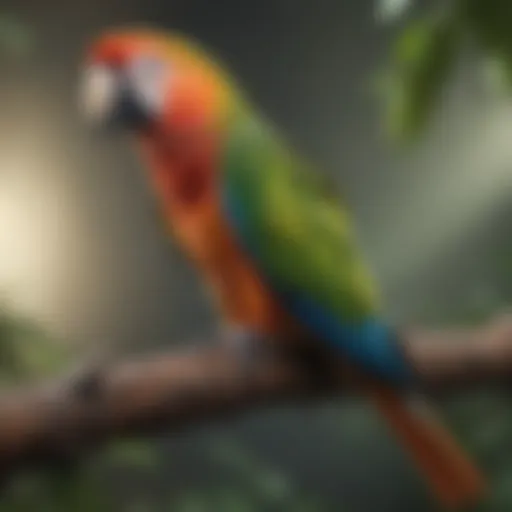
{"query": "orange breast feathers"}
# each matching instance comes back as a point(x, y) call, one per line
point(189, 199)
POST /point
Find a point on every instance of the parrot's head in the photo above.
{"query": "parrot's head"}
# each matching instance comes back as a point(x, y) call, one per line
point(142, 79)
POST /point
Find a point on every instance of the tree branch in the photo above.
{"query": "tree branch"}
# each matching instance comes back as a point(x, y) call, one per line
point(174, 390)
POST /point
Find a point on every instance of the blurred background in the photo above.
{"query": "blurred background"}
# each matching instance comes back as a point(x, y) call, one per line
point(405, 103)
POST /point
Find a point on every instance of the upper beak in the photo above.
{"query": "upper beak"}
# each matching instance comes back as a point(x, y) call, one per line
point(107, 99)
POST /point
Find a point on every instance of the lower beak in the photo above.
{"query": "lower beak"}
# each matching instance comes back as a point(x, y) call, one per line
point(128, 112)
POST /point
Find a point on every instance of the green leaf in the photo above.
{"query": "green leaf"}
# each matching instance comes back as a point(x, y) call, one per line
point(231, 455)
point(274, 486)
point(420, 62)
point(26, 351)
point(488, 22)
point(192, 502)
point(78, 491)
point(309, 504)
point(234, 500)
point(132, 453)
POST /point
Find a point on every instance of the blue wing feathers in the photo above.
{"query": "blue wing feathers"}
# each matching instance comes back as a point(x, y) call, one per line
point(371, 344)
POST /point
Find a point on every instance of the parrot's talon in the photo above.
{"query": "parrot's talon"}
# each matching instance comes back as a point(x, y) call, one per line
point(89, 385)
point(248, 346)
point(88, 378)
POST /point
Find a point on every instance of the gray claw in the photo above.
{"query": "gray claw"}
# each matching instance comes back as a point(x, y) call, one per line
point(249, 346)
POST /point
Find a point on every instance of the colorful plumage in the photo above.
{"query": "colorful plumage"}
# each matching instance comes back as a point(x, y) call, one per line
point(266, 231)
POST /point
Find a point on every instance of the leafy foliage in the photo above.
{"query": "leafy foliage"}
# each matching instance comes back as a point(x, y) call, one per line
point(421, 59)
point(270, 489)
point(427, 49)
point(26, 352)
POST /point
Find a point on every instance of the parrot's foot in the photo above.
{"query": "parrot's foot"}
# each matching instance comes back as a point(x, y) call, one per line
point(87, 379)
point(249, 347)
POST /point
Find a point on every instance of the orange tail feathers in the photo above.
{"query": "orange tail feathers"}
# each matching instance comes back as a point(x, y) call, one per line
point(450, 474)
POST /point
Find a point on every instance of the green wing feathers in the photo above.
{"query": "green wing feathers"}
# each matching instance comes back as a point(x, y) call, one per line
point(298, 226)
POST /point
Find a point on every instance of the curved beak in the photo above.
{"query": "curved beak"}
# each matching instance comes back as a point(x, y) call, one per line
point(107, 99)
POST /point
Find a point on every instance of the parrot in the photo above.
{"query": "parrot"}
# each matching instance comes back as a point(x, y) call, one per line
point(268, 233)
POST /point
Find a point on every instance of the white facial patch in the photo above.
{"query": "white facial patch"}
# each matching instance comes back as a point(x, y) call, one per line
point(100, 90)
point(147, 79)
